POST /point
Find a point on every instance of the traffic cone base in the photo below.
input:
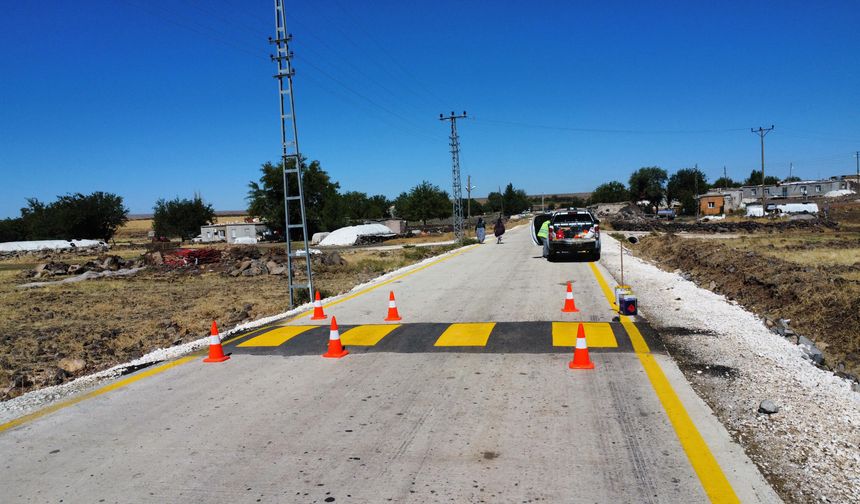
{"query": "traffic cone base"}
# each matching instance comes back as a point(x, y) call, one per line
point(393, 315)
point(569, 304)
point(318, 309)
point(335, 348)
point(581, 359)
point(216, 351)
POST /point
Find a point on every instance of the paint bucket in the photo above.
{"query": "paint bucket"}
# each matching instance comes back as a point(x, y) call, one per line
point(621, 290)
point(627, 305)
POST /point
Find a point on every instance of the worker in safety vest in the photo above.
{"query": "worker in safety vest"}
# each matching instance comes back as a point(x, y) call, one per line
point(543, 234)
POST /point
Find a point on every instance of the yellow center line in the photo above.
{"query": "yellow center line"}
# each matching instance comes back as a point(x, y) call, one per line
point(711, 476)
point(178, 362)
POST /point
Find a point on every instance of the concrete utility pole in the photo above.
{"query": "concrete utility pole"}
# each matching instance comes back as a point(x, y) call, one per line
point(696, 185)
point(290, 150)
point(455, 172)
point(761, 132)
point(469, 198)
point(790, 169)
point(857, 156)
point(725, 179)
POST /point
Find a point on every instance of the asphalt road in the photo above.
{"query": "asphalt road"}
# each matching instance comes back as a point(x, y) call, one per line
point(492, 414)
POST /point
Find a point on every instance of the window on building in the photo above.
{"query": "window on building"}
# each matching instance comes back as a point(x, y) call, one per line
point(785, 191)
point(803, 189)
point(754, 192)
point(818, 188)
point(710, 204)
point(842, 185)
point(767, 191)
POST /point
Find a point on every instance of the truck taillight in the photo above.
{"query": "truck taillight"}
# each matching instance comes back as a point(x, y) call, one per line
point(559, 235)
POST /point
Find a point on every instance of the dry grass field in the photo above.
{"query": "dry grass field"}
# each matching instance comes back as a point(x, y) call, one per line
point(812, 278)
point(109, 321)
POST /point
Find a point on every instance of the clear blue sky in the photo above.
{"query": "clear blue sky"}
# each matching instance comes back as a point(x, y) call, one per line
point(153, 99)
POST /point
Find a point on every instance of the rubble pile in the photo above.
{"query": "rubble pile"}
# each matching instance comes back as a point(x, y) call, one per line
point(645, 223)
point(103, 263)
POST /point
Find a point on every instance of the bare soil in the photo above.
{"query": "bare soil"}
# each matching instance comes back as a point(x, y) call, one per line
point(811, 278)
point(109, 321)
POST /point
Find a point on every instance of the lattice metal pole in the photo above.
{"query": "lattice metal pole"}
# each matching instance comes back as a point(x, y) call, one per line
point(291, 159)
point(455, 173)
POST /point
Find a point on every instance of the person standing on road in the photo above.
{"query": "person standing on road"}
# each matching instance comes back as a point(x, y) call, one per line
point(543, 235)
point(480, 230)
point(499, 230)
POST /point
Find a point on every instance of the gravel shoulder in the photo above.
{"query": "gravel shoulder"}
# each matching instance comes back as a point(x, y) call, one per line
point(810, 450)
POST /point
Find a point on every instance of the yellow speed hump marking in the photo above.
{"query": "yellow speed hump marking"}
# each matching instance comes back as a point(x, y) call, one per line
point(466, 334)
point(276, 337)
point(711, 476)
point(367, 335)
point(597, 334)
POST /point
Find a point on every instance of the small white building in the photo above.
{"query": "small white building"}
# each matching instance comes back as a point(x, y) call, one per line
point(243, 232)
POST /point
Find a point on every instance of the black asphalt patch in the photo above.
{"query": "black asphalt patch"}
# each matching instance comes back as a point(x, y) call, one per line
point(506, 337)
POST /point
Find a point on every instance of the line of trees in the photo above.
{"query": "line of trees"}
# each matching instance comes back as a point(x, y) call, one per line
point(73, 216)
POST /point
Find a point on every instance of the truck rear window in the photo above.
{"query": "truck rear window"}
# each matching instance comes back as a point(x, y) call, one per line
point(572, 218)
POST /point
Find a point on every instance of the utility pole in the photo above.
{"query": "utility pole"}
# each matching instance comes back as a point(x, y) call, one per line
point(790, 169)
point(469, 199)
point(857, 156)
point(761, 132)
point(455, 173)
point(290, 150)
point(696, 185)
point(725, 179)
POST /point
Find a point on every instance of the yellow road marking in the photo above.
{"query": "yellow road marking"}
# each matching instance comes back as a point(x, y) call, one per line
point(95, 393)
point(469, 334)
point(367, 335)
point(610, 295)
point(711, 476)
point(276, 337)
point(138, 376)
point(597, 334)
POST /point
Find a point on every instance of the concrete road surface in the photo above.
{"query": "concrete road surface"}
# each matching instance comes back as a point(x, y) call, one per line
point(500, 420)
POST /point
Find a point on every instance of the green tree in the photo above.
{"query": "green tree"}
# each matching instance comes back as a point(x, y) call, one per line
point(610, 192)
point(648, 183)
point(514, 200)
point(12, 230)
point(181, 217)
point(755, 179)
point(474, 206)
point(793, 178)
point(422, 202)
point(74, 216)
point(378, 207)
point(494, 203)
point(324, 207)
point(684, 185)
point(725, 182)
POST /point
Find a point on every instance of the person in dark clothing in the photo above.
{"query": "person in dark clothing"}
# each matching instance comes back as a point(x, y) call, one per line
point(480, 230)
point(499, 230)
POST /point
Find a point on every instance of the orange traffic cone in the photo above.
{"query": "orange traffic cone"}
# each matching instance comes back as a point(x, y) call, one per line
point(581, 360)
point(216, 352)
point(318, 310)
point(335, 348)
point(392, 309)
point(569, 305)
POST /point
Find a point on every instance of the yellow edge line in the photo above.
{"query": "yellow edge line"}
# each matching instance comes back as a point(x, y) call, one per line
point(381, 284)
point(164, 367)
point(711, 476)
point(95, 393)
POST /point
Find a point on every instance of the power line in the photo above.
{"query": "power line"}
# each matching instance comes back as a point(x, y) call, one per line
point(609, 131)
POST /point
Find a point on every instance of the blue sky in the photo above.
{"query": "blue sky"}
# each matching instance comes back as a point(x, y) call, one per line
point(151, 99)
